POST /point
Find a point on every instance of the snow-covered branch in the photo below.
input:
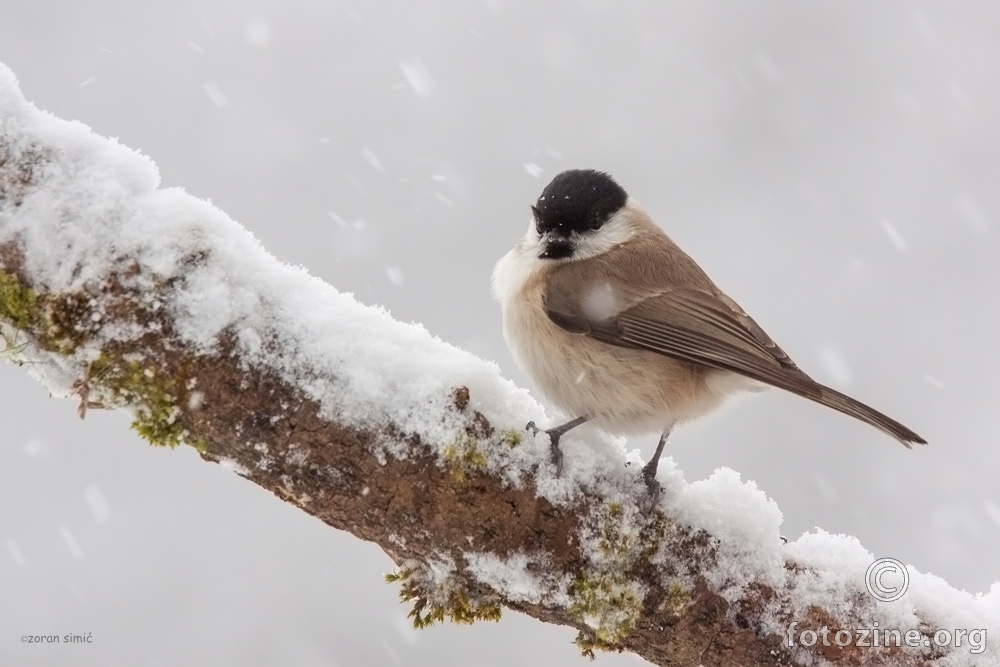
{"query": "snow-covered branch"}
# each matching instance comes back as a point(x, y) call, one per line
point(122, 295)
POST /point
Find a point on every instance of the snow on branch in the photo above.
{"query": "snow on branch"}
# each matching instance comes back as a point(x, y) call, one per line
point(122, 295)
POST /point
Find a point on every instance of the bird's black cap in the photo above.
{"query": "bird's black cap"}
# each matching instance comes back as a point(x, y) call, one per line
point(577, 200)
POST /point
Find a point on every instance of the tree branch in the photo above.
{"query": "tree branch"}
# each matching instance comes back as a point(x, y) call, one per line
point(126, 296)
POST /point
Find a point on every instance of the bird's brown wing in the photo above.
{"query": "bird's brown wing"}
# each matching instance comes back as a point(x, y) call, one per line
point(682, 323)
point(697, 326)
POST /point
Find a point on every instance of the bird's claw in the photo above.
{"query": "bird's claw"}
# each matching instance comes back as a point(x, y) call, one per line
point(554, 450)
point(652, 486)
point(557, 455)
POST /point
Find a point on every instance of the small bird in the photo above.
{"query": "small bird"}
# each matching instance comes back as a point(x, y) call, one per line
point(620, 327)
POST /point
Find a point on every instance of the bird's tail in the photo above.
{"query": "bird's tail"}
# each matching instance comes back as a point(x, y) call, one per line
point(843, 403)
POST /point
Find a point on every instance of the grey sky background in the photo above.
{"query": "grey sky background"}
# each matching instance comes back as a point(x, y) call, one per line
point(833, 166)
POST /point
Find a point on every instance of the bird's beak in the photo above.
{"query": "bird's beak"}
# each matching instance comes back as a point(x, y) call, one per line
point(556, 246)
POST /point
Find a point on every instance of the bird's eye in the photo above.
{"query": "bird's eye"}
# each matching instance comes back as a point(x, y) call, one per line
point(594, 221)
point(537, 215)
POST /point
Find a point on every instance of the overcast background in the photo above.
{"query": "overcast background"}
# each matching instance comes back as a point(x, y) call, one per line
point(833, 166)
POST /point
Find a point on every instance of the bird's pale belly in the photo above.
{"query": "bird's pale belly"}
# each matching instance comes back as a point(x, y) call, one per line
point(623, 390)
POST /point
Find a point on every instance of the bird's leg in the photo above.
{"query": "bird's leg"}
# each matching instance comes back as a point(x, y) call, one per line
point(649, 470)
point(554, 435)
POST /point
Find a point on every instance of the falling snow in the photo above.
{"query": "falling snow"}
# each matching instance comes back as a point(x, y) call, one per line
point(215, 94)
point(97, 504)
point(894, 235)
point(933, 381)
point(258, 33)
point(973, 215)
point(533, 169)
point(336, 218)
point(16, 553)
point(418, 77)
point(34, 448)
point(71, 543)
point(993, 511)
point(372, 159)
point(395, 275)
point(825, 488)
point(835, 365)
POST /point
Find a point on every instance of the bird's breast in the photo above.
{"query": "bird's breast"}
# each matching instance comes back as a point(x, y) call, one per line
point(625, 391)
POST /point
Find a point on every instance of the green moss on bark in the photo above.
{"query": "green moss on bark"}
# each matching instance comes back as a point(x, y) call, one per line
point(156, 396)
point(463, 456)
point(606, 597)
point(18, 304)
point(64, 323)
point(448, 601)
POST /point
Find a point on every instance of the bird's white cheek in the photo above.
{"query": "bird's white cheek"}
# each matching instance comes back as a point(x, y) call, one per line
point(618, 230)
point(512, 272)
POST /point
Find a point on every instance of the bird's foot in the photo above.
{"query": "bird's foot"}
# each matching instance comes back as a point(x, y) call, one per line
point(554, 451)
point(652, 486)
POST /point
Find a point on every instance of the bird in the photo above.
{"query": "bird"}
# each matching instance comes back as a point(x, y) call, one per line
point(620, 328)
